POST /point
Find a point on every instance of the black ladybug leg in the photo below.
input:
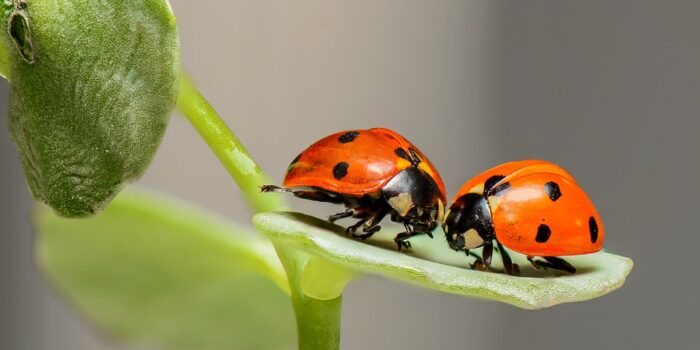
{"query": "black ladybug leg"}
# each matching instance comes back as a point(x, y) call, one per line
point(472, 254)
point(560, 264)
point(274, 188)
point(478, 263)
point(347, 213)
point(371, 226)
point(482, 263)
point(487, 253)
point(507, 262)
point(401, 238)
point(418, 229)
point(318, 196)
point(552, 262)
point(351, 229)
point(536, 263)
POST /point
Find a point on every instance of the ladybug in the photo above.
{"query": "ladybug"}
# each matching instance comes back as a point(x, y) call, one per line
point(532, 207)
point(374, 173)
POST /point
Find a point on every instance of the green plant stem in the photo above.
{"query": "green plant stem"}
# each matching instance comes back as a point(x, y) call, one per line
point(4, 60)
point(5, 71)
point(227, 148)
point(318, 321)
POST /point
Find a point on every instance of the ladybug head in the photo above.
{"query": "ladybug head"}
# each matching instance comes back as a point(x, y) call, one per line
point(415, 199)
point(468, 223)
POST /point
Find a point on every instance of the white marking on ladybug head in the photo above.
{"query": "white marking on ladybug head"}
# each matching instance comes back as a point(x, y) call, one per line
point(472, 239)
point(402, 203)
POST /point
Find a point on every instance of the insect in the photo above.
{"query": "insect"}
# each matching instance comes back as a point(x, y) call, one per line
point(532, 207)
point(374, 173)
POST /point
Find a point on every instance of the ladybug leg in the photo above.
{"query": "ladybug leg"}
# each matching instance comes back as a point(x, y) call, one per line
point(401, 238)
point(351, 229)
point(274, 188)
point(368, 232)
point(487, 253)
point(511, 269)
point(478, 263)
point(560, 264)
point(420, 229)
point(372, 225)
point(536, 263)
point(552, 262)
point(472, 254)
point(318, 196)
point(345, 214)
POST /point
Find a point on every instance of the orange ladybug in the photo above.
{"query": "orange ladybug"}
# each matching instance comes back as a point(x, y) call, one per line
point(532, 207)
point(374, 173)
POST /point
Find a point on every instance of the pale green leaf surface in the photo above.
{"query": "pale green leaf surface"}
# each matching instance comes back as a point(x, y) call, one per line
point(91, 90)
point(150, 271)
point(433, 265)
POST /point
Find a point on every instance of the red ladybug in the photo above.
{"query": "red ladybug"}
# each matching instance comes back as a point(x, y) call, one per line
point(532, 207)
point(372, 172)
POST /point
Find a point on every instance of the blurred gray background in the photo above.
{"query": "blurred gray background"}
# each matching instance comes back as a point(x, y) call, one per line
point(609, 90)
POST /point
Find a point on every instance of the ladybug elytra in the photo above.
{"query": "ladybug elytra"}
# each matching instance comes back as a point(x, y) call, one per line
point(532, 207)
point(374, 173)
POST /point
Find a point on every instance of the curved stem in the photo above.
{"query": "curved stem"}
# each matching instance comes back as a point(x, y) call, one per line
point(5, 68)
point(227, 148)
point(318, 321)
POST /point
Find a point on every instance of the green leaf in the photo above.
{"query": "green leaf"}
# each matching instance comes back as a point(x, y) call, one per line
point(153, 272)
point(432, 264)
point(92, 86)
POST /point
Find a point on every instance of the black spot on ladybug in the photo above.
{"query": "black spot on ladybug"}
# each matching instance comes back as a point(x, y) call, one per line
point(340, 170)
point(496, 191)
point(414, 156)
point(402, 153)
point(490, 182)
point(593, 229)
point(294, 162)
point(348, 137)
point(543, 233)
point(553, 190)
